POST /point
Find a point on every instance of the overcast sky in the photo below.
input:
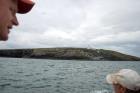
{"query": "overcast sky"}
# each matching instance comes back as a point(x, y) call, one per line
point(106, 24)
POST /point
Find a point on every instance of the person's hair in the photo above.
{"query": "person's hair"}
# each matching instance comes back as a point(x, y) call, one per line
point(132, 91)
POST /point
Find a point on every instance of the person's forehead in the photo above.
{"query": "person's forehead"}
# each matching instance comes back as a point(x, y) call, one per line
point(118, 85)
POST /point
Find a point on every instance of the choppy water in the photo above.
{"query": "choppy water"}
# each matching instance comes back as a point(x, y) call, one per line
point(58, 76)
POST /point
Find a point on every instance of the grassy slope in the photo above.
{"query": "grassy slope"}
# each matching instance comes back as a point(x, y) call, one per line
point(82, 53)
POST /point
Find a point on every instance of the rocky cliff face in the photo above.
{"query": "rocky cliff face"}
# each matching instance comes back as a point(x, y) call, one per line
point(68, 53)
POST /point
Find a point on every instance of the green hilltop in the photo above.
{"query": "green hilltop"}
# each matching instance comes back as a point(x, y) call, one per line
point(68, 54)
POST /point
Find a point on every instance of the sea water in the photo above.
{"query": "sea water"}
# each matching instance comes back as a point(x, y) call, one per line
point(58, 76)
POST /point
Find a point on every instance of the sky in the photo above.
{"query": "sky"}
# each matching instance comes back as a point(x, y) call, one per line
point(98, 24)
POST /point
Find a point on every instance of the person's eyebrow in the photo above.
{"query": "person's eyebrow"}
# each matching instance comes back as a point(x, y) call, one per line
point(15, 1)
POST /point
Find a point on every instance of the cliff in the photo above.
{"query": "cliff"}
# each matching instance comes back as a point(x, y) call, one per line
point(68, 53)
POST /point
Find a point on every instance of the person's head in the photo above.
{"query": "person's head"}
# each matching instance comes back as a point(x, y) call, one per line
point(8, 10)
point(125, 81)
point(121, 89)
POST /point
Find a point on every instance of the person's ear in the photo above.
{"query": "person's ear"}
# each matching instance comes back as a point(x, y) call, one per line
point(122, 89)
